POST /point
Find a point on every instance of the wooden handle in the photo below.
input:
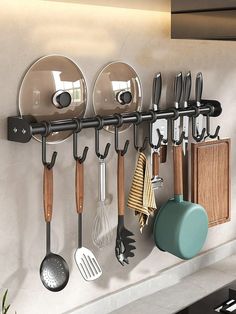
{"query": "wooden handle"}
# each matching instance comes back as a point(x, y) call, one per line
point(79, 187)
point(120, 185)
point(48, 193)
point(178, 170)
point(163, 153)
point(155, 164)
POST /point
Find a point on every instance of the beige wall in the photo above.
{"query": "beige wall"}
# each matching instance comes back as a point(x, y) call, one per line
point(92, 36)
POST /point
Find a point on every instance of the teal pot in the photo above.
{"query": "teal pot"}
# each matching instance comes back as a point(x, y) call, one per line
point(180, 227)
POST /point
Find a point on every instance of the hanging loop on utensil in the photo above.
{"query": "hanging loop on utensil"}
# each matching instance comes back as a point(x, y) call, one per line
point(196, 137)
point(182, 136)
point(82, 158)
point(120, 122)
point(208, 131)
point(97, 129)
point(160, 136)
point(154, 116)
point(50, 164)
point(197, 111)
point(175, 112)
point(139, 120)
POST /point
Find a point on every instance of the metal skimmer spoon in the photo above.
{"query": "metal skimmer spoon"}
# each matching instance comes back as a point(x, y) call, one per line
point(54, 271)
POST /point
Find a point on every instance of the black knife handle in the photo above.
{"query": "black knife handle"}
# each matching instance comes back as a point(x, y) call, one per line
point(156, 90)
point(187, 86)
point(178, 87)
point(199, 87)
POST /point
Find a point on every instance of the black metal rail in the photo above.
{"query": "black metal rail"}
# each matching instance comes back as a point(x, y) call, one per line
point(21, 129)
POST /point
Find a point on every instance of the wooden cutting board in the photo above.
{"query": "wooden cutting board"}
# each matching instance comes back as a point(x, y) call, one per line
point(210, 178)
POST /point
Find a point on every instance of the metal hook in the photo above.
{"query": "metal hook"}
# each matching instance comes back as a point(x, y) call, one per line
point(97, 129)
point(120, 122)
point(50, 164)
point(139, 120)
point(165, 141)
point(198, 137)
point(216, 134)
point(182, 136)
point(75, 140)
point(160, 136)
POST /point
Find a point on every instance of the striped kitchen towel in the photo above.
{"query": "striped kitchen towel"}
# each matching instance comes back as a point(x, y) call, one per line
point(141, 196)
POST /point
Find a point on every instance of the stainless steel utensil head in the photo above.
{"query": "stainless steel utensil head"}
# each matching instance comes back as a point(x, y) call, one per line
point(157, 182)
point(102, 233)
point(54, 272)
point(87, 264)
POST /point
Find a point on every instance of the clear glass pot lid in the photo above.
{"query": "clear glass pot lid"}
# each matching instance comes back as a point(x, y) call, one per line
point(117, 90)
point(53, 89)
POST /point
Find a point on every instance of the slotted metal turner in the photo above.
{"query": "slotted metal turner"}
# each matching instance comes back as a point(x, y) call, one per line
point(84, 258)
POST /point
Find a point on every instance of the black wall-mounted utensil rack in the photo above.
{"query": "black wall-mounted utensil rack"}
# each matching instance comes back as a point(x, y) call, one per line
point(21, 129)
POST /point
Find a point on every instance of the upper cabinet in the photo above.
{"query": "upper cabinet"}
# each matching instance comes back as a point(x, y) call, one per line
point(203, 19)
point(154, 5)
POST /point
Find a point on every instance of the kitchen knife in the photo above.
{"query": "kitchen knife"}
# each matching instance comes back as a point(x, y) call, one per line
point(156, 91)
point(186, 96)
point(178, 87)
point(198, 97)
point(160, 124)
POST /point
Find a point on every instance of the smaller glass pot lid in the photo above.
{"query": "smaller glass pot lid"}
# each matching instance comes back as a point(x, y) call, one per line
point(117, 90)
point(53, 89)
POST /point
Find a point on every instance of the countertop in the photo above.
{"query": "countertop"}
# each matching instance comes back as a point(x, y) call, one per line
point(189, 290)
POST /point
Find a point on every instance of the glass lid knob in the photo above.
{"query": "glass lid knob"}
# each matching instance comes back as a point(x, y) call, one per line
point(124, 97)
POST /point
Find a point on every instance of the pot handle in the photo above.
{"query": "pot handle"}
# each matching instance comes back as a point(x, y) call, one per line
point(178, 169)
point(48, 193)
